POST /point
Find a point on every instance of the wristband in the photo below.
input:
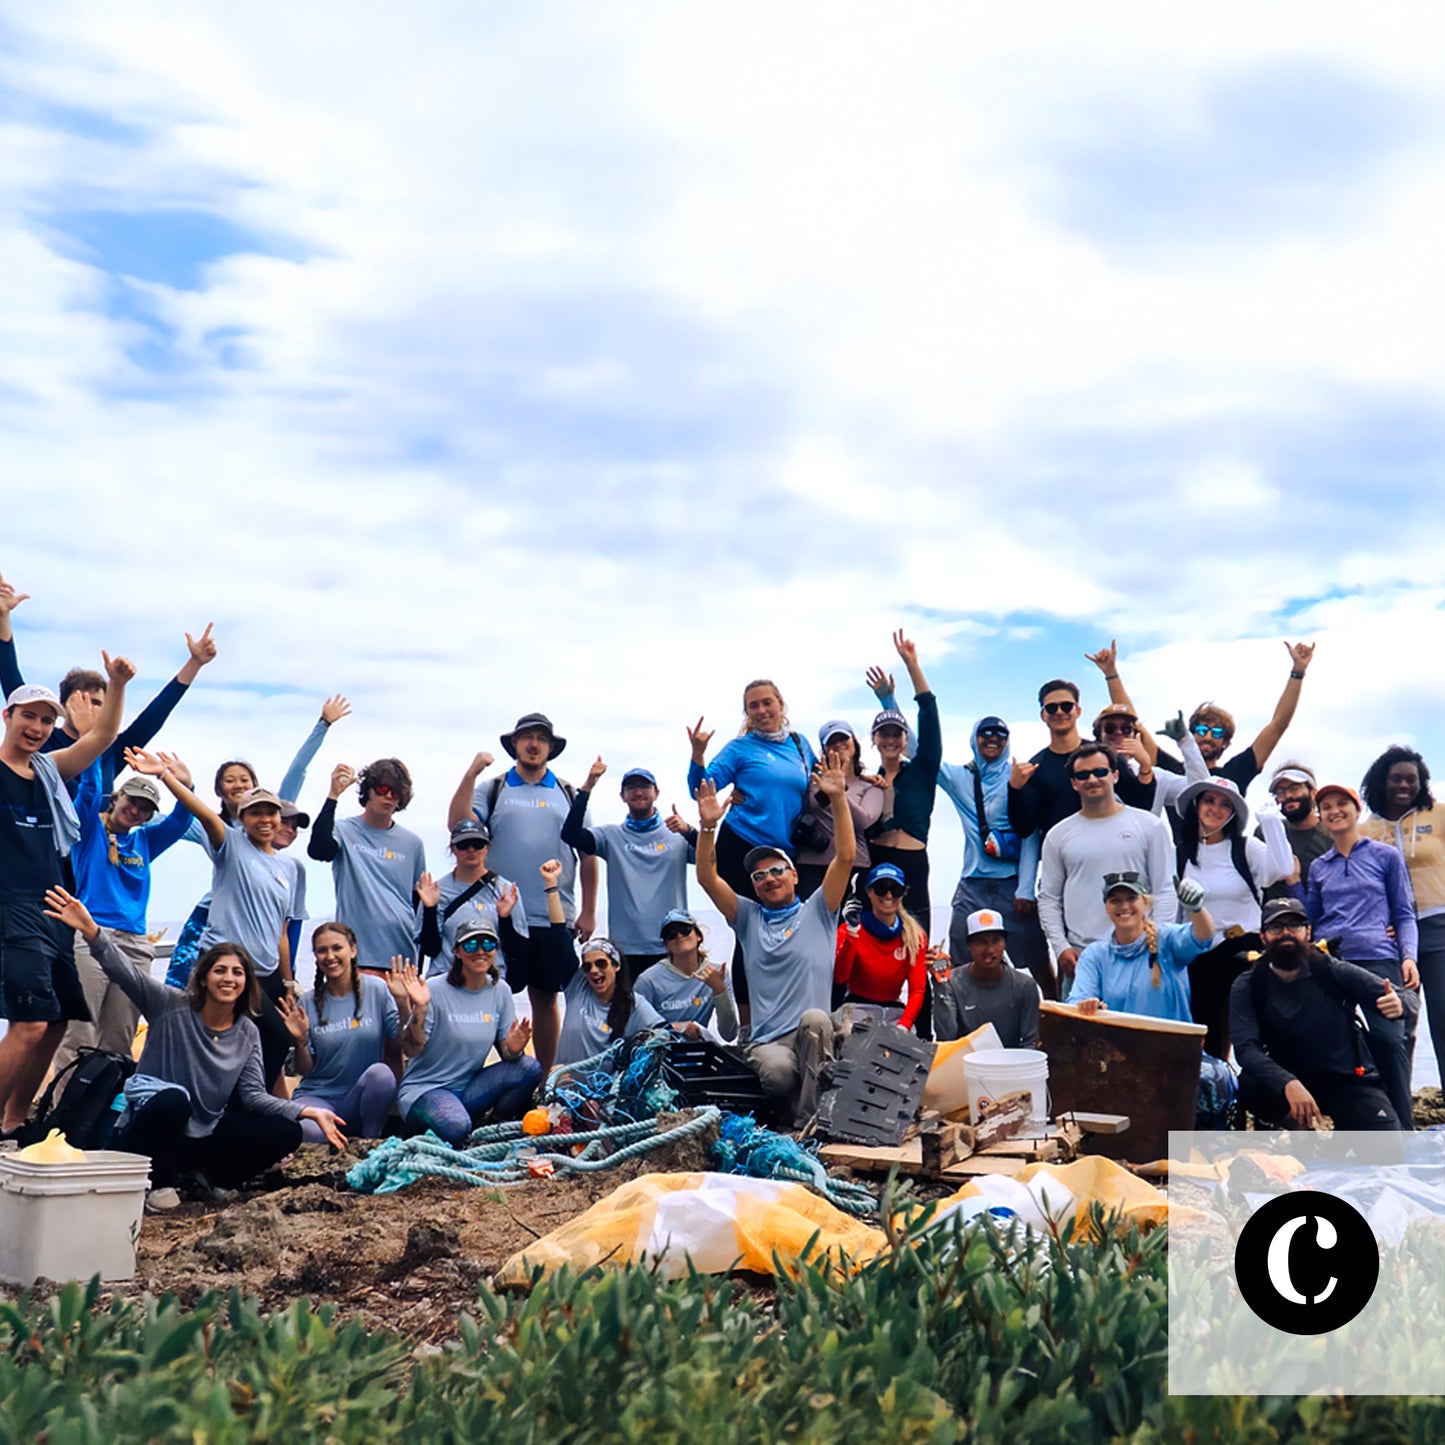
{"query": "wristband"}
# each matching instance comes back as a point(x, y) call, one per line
point(708, 828)
point(1111, 677)
point(554, 889)
point(1298, 676)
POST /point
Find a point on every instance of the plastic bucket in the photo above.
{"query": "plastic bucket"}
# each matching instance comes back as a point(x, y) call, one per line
point(992, 1073)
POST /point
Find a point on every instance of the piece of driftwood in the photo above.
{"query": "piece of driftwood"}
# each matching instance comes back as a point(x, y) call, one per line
point(1003, 1118)
point(1099, 1123)
point(1098, 1064)
point(946, 1150)
point(943, 1143)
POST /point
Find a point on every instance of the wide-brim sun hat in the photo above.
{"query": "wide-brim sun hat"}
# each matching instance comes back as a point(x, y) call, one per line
point(1191, 795)
point(534, 722)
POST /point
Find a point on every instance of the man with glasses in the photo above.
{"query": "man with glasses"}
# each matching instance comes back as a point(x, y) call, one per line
point(1301, 1052)
point(376, 863)
point(788, 945)
point(1117, 726)
point(1000, 869)
point(1104, 836)
point(1039, 791)
point(1292, 786)
point(647, 863)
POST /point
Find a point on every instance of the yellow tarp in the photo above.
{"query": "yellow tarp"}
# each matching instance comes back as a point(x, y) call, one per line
point(720, 1221)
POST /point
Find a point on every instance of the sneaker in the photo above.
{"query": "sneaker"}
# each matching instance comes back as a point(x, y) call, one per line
point(162, 1201)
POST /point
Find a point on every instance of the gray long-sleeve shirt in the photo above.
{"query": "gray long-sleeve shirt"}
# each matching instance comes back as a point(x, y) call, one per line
point(212, 1065)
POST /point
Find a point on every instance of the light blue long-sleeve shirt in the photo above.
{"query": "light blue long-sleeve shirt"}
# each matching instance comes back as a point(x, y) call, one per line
point(773, 779)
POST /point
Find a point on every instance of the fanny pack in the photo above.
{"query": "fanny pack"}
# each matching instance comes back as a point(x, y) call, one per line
point(1000, 843)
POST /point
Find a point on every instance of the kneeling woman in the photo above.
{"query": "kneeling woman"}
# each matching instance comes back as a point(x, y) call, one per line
point(881, 947)
point(687, 988)
point(341, 1033)
point(1141, 968)
point(455, 1022)
point(197, 1103)
point(600, 1002)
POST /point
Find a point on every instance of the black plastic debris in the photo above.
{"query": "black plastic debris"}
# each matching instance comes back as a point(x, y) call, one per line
point(706, 1072)
point(872, 1091)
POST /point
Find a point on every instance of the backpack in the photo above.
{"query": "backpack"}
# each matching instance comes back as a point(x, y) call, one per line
point(84, 1114)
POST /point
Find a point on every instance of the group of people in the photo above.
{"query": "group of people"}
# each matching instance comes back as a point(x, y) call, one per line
point(1076, 865)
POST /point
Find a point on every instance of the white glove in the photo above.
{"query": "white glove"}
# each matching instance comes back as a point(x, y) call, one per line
point(1190, 894)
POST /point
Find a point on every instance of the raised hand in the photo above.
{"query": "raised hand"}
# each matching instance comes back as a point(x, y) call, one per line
point(334, 709)
point(594, 773)
point(906, 649)
point(202, 648)
point(414, 986)
point(66, 908)
point(480, 763)
point(551, 872)
point(343, 775)
point(1190, 894)
point(1176, 727)
point(1021, 772)
point(178, 770)
point(831, 779)
point(118, 669)
point(880, 682)
point(699, 738)
point(10, 599)
point(519, 1036)
point(508, 900)
point(1132, 747)
point(294, 1017)
point(1106, 659)
point(153, 765)
point(675, 822)
point(715, 976)
point(428, 890)
point(1300, 654)
point(709, 808)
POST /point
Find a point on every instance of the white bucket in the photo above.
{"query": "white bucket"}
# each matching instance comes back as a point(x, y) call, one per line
point(992, 1073)
point(70, 1221)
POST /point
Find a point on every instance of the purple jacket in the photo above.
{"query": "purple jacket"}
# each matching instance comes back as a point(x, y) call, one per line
point(1355, 899)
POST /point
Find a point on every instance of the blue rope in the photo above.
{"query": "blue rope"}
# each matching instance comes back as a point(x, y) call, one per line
point(745, 1147)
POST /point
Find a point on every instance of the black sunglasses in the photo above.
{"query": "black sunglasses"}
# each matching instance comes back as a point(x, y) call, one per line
point(675, 930)
point(1122, 729)
point(993, 732)
point(1079, 774)
point(1059, 707)
point(469, 845)
point(887, 890)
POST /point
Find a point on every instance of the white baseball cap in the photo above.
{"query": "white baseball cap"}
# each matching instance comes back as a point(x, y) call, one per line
point(33, 692)
point(985, 921)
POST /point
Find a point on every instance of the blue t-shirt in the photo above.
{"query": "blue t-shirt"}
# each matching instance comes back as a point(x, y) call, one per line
point(253, 893)
point(646, 880)
point(1120, 974)
point(773, 779)
point(118, 894)
point(376, 874)
point(526, 829)
point(585, 1030)
point(462, 1027)
point(680, 998)
point(789, 963)
point(482, 905)
point(343, 1043)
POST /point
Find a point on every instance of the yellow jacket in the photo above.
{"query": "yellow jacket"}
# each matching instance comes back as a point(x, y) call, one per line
point(1420, 838)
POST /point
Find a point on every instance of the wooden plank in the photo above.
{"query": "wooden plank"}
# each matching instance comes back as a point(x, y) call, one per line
point(1006, 1117)
point(1100, 1123)
point(1125, 1021)
point(943, 1144)
point(977, 1164)
point(875, 1159)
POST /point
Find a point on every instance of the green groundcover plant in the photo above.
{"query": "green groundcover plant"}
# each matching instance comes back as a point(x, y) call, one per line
point(953, 1336)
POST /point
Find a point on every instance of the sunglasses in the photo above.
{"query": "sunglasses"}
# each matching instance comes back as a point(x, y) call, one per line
point(1203, 730)
point(678, 930)
point(479, 945)
point(1079, 774)
point(468, 845)
point(384, 790)
point(601, 961)
point(1117, 729)
point(888, 890)
point(1054, 708)
point(776, 870)
point(993, 732)
point(1284, 928)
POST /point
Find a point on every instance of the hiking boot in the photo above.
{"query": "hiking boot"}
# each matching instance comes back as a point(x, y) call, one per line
point(162, 1201)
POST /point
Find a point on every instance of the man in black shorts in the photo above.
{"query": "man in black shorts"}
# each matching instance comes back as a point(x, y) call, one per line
point(39, 987)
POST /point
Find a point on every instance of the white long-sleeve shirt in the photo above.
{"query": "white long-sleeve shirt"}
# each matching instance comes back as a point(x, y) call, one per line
point(1078, 853)
point(1227, 895)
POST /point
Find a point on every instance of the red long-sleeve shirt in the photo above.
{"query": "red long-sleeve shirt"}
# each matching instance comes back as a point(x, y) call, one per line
point(877, 968)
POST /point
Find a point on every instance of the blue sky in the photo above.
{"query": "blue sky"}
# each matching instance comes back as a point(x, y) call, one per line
point(601, 360)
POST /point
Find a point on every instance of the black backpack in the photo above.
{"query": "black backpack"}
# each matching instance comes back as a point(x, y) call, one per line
point(84, 1114)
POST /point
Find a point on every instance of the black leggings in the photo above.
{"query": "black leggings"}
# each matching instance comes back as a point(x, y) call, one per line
point(1211, 977)
point(242, 1145)
point(276, 1040)
point(914, 863)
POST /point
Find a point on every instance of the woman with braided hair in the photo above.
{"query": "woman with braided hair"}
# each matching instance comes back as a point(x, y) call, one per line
point(1141, 968)
point(341, 1031)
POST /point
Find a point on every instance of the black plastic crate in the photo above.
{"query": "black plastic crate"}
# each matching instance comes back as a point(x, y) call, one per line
point(872, 1091)
point(706, 1072)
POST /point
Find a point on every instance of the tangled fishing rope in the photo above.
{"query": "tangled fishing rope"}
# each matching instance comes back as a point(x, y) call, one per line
point(745, 1147)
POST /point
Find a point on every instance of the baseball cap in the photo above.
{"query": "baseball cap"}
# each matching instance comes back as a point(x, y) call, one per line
point(985, 921)
point(141, 788)
point(991, 724)
point(889, 871)
point(1322, 793)
point(33, 692)
point(476, 928)
point(640, 773)
point(469, 830)
point(837, 728)
point(1115, 709)
point(1278, 908)
point(890, 717)
point(257, 798)
point(755, 856)
point(1292, 772)
point(677, 915)
point(292, 814)
point(1124, 880)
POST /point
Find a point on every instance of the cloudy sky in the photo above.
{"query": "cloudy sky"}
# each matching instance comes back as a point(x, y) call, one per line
point(474, 358)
